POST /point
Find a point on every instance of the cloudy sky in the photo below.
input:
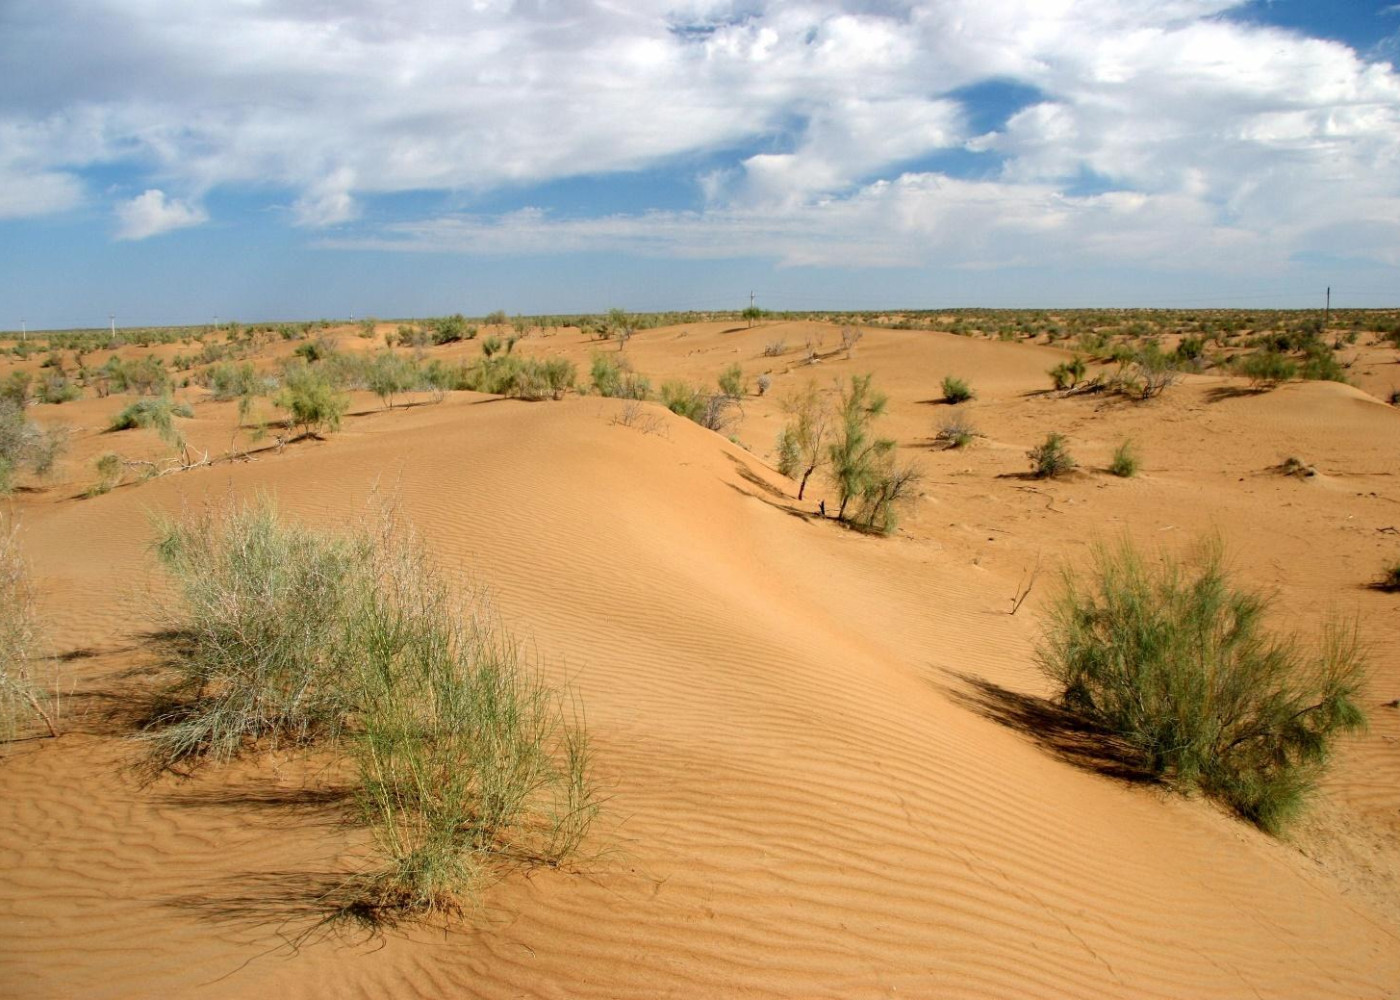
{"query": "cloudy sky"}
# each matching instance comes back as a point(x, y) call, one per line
point(170, 161)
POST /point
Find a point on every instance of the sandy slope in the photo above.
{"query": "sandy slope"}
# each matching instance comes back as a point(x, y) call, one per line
point(808, 796)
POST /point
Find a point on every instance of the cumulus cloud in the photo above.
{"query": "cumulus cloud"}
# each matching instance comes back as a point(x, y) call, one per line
point(152, 213)
point(1164, 131)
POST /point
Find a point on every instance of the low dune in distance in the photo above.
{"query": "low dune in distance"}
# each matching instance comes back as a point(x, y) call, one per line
point(821, 770)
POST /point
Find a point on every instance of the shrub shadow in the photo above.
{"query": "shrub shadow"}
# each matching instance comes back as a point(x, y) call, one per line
point(1065, 734)
point(1220, 393)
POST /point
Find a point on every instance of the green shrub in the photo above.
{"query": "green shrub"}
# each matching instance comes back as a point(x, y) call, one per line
point(450, 329)
point(1175, 660)
point(1125, 460)
point(230, 381)
point(316, 350)
point(25, 445)
point(955, 390)
point(712, 410)
point(468, 764)
point(855, 459)
point(389, 375)
point(17, 388)
point(1265, 369)
point(314, 405)
point(732, 382)
point(805, 435)
point(21, 699)
point(1051, 458)
point(611, 376)
point(1068, 374)
point(57, 389)
point(155, 413)
point(491, 345)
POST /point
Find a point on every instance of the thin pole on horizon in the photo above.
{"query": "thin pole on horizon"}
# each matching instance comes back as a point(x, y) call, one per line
point(23, 331)
point(112, 318)
point(1327, 314)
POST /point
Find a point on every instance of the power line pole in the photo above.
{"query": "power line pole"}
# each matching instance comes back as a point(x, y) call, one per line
point(112, 318)
point(23, 331)
point(751, 298)
point(1327, 314)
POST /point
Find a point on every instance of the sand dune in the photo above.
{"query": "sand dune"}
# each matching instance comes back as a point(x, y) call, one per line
point(809, 794)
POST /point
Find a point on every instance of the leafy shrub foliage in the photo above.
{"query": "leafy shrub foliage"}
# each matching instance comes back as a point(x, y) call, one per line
point(1051, 458)
point(1175, 660)
point(955, 390)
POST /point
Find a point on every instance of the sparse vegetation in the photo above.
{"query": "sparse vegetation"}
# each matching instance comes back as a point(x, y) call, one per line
point(957, 432)
point(955, 390)
point(23, 445)
point(612, 376)
point(1125, 460)
point(802, 443)
point(1051, 457)
point(1175, 660)
point(315, 405)
point(712, 410)
point(468, 763)
point(1068, 374)
point(22, 700)
point(732, 382)
point(1390, 577)
point(864, 468)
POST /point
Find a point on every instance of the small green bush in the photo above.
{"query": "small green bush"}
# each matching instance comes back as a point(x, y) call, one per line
point(1125, 460)
point(1265, 368)
point(955, 390)
point(154, 413)
point(1068, 374)
point(712, 410)
point(1051, 458)
point(25, 445)
point(1174, 659)
point(314, 404)
point(732, 382)
point(612, 376)
point(491, 345)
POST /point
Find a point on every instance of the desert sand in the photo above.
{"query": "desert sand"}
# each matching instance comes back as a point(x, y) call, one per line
point(815, 782)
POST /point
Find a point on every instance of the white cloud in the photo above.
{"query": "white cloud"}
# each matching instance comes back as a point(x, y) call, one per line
point(1200, 133)
point(151, 213)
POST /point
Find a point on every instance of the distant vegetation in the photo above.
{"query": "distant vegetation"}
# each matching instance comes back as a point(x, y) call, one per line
point(1175, 660)
point(23, 702)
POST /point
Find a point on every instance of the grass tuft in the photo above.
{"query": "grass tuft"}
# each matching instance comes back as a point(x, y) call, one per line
point(1125, 460)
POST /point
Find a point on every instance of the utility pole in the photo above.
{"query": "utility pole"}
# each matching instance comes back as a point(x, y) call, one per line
point(1327, 314)
point(751, 298)
point(112, 318)
point(23, 331)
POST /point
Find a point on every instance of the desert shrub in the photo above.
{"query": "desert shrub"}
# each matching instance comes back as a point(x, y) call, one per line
point(1390, 577)
point(1321, 365)
point(18, 388)
point(109, 474)
point(450, 329)
point(1146, 373)
point(712, 410)
point(886, 489)
point(1189, 351)
point(145, 376)
point(467, 761)
point(732, 382)
point(1125, 460)
point(491, 345)
point(612, 376)
point(1051, 458)
point(57, 389)
point(789, 453)
point(850, 337)
point(389, 375)
point(523, 378)
point(957, 432)
point(774, 349)
point(855, 458)
point(411, 335)
point(764, 382)
point(1265, 369)
point(1067, 374)
point(955, 390)
point(156, 414)
point(25, 445)
point(22, 702)
point(227, 380)
point(316, 350)
point(1175, 659)
point(313, 403)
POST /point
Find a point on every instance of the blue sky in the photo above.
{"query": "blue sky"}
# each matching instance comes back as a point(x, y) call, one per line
point(170, 162)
